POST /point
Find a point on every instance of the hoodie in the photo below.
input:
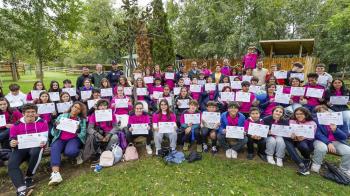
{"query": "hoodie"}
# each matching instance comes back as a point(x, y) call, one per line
point(21, 127)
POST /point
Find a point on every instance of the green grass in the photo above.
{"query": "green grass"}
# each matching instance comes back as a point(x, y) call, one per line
point(26, 82)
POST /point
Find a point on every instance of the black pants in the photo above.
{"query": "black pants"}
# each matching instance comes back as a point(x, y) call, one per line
point(130, 137)
point(261, 145)
point(197, 135)
point(17, 157)
point(205, 133)
point(4, 138)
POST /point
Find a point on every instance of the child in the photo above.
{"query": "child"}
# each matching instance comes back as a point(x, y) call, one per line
point(269, 103)
point(190, 131)
point(44, 97)
point(68, 84)
point(217, 75)
point(196, 95)
point(118, 109)
point(337, 88)
point(254, 117)
point(249, 60)
point(297, 68)
point(157, 73)
point(294, 99)
point(106, 85)
point(246, 105)
point(183, 96)
point(29, 124)
point(231, 118)
point(64, 98)
point(312, 102)
point(38, 85)
point(223, 104)
point(210, 129)
point(324, 78)
point(157, 92)
point(55, 88)
point(170, 81)
point(275, 144)
point(15, 97)
point(86, 87)
point(143, 98)
point(207, 96)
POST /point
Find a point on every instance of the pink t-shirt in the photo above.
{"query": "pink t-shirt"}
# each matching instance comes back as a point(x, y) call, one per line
point(66, 135)
point(286, 90)
point(245, 106)
point(105, 126)
point(249, 60)
point(163, 118)
point(232, 121)
point(312, 101)
point(269, 108)
point(330, 134)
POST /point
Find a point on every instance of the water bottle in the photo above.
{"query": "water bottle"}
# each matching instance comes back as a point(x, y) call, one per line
point(98, 168)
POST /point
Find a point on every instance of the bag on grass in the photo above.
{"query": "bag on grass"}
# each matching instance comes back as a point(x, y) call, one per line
point(117, 152)
point(335, 174)
point(194, 156)
point(107, 159)
point(122, 140)
point(174, 157)
point(131, 153)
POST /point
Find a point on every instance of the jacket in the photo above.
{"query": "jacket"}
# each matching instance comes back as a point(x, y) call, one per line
point(224, 122)
point(81, 132)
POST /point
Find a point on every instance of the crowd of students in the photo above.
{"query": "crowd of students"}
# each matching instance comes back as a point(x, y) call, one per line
point(228, 108)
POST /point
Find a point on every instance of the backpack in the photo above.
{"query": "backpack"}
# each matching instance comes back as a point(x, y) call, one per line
point(174, 157)
point(107, 159)
point(117, 152)
point(194, 156)
point(131, 153)
point(335, 174)
point(122, 140)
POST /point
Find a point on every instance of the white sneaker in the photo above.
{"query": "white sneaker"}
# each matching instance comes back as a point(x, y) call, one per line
point(270, 160)
point(55, 178)
point(234, 154)
point(149, 149)
point(229, 153)
point(157, 151)
point(79, 158)
point(315, 167)
point(279, 162)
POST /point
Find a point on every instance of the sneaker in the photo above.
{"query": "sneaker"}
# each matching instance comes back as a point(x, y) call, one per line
point(214, 150)
point(186, 146)
point(234, 154)
point(279, 162)
point(250, 156)
point(229, 153)
point(303, 170)
point(29, 183)
point(79, 158)
point(26, 192)
point(205, 147)
point(55, 178)
point(271, 160)
point(157, 151)
point(199, 148)
point(149, 149)
point(315, 167)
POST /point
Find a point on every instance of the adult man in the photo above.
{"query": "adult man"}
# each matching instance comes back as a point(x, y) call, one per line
point(81, 78)
point(194, 72)
point(98, 75)
point(260, 72)
point(114, 75)
point(179, 73)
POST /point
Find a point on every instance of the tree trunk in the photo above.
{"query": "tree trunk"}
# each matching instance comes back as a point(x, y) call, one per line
point(39, 70)
point(14, 71)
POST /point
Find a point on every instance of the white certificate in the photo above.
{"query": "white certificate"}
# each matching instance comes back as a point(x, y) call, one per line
point(166, 127)
point(2, 120)
point(236, 85)
point(211, 117)
point(35, 93)
point(148, 79)
point(232, 78)
point(16, 103)
point(91, 103)
point(127, 90)
point(314, 92)
point(193, 118)
point(282, 98)
point(247, 78)
point(103, 115)
point(235, 132)
point(85, 94)
point(254, 89)
point(280, 74)
point(137, 75)
point(68, 125)
point(195, 88)
point(169, 76)
point(177, 90)
point(63, 107)
point(31, 140)
point(71, 91)
point(298, 75)
point(54, 96)
point(258, 129)
point(281, 130)
point(227, 96)
point(187, 81)
point(210, 87)
point(297, 91)
point(169, 99)
point(121, 103)
point(139, 129)
point(157, 94)
point(184, 103)
point(339, 100)
point(322, 79)
point(242, 96)
point(46, 108)
point(222, 85)
point(307, 131)
point(201, 82)
point(122, 120)
point(279, 89)
point(327, 118)
point(141, 91)
point(106, 92)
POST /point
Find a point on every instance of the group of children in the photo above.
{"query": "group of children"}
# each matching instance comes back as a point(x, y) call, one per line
point(223, 108)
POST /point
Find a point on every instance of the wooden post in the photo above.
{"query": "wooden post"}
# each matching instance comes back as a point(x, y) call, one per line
point(271, 50)
point(300, 50)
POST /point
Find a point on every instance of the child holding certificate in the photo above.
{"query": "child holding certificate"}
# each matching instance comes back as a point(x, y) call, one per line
point(231, 118)
point(301, 116)
point(68, 139)
point(210, 129)
point(67, 84)
point(38, 86)
point(8, 117)
point(196, 95)
point(269, 103)
point(157, 73)
point(100, 135)
point(312, 102)
point(55, 87)
point(208, 95)
point(251, 101)
point(254, 117)
point(223, 104)
point(336, 90)
point(87, 87)
point(120, 97)
point(30, 124)
point(170, 81)
point(139, 124)
point(330, 139)
point(164, 114)
point(275, 144)
point(15, 97)
point(141, 84)
point(104, 84)
point(156, 88)
point(190, 130)
point(65, 98)
point(44, 97)
point(295, 99)
point(182, 101)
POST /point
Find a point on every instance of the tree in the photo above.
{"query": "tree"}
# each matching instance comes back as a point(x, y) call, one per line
point(143, 47)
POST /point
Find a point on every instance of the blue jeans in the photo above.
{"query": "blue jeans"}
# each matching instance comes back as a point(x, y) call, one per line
point(305, 148)
point(70, 148)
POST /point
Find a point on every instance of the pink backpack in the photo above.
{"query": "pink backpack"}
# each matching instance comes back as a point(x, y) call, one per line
point(131, 153)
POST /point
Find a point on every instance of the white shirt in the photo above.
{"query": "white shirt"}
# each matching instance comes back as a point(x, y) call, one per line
point(16, 100)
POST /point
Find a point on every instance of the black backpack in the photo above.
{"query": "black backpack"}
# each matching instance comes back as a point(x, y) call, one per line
point(335, 174)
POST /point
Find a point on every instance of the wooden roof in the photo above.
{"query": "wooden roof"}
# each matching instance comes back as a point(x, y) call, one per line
point(288, 47)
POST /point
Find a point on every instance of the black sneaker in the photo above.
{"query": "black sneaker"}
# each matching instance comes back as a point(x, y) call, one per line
point(262, 157)
point(26, 192)
point(303, 170)
point(250, 156)
point(29, 183)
